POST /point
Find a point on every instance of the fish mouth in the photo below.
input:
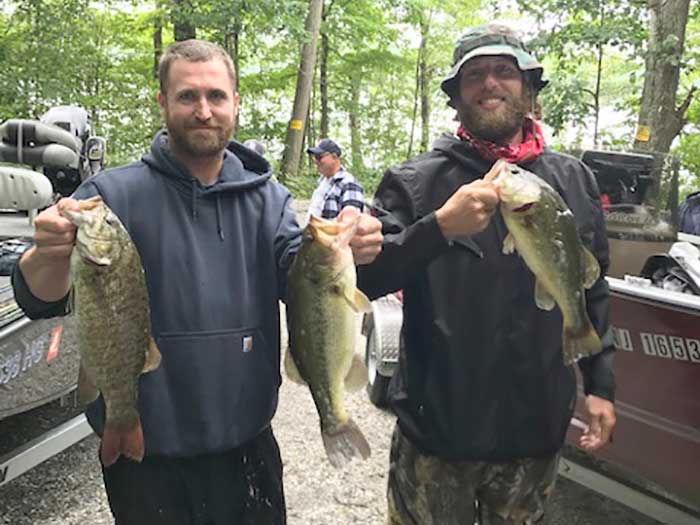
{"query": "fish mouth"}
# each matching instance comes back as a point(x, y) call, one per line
point(97, 238)
point(99, 263)
point(93, 259)
point(323, 231)
point(523, 208)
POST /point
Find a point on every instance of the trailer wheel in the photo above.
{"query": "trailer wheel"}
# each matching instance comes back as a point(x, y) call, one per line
point(377, 384)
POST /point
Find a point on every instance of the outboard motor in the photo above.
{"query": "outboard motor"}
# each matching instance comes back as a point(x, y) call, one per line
point(59, 143)
point(74, 120)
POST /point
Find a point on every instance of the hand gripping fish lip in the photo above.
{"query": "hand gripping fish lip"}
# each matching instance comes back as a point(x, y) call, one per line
point(518, 193)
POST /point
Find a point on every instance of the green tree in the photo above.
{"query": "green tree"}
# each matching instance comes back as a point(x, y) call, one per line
point(661, 117)
point(295, 131)
point(581, 38)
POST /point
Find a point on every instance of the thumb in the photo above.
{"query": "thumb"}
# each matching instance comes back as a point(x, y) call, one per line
point(494, 171)
point(348, 214)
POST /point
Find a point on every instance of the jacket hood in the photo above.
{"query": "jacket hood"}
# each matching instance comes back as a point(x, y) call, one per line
point(242, 168)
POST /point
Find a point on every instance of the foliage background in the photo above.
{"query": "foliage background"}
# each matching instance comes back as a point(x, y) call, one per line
point(100, 55)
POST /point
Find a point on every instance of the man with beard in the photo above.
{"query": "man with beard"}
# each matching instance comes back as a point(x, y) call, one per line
point(482, 395)
point(216, 236)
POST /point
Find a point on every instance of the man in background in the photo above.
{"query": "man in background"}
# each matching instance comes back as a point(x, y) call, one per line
point(337, 188)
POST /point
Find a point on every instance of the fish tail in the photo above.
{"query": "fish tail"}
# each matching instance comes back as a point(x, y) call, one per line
point(344, 443)
point(124, 439)
point(581, 343)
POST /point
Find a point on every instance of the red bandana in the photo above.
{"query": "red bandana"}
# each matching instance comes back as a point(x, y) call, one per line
point(527, 150)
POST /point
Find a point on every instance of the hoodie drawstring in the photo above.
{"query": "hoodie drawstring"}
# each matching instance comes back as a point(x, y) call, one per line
point(219, 217)
point(219, 226)
point(194, 199)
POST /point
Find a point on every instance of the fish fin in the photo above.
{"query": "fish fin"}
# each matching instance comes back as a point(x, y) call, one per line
point(591, 268)
point(290, 367)
point(87, 391)
point(122, 440)
point(508, 244)
point(356, 378)
point(543, 299)
point(357, 300)
point(582, 344)
point(153, 356)
point(345, 443)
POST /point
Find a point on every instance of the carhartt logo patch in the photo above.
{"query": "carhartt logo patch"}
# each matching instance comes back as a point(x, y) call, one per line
point(247, 343)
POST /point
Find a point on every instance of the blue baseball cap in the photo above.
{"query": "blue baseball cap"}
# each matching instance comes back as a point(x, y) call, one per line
point(324, 146)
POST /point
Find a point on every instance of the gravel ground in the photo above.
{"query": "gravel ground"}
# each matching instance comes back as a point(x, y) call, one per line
point(67, 489)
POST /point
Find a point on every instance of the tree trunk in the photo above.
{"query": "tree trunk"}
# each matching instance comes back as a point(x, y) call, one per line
point(355, 134)
point(414, 113)
point(660, 120)
point(323, 84)
point(182, 27)
point(295, 131)
point(424, 83)
point(231, 45)
point(596, 95)
point(599, 75)
point(157, 39)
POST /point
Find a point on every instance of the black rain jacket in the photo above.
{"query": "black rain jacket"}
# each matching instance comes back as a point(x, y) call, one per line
point(481, 374)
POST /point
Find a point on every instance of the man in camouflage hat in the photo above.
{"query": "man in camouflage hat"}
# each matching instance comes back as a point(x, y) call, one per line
point(482, 395)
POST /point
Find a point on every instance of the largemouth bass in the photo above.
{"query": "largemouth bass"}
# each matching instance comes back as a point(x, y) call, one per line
point(110, 301)
point(543, 231)
point(321, 306)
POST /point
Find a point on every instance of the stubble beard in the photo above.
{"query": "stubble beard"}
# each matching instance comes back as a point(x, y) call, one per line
point(198, 143)
point(495, 126)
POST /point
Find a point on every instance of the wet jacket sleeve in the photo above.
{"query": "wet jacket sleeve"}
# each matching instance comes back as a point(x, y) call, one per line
point(410, 241)
point(32, 306)
point(287, 242)
point(597, 370)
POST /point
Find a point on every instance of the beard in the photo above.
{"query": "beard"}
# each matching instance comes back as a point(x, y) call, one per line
point(495, 126)
point(198, 143)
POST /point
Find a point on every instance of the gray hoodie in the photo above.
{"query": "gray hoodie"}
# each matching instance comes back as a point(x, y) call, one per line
point(215, 260)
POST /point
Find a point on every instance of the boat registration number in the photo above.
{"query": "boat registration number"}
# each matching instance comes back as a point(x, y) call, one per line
point(14, 364)
point(659, 345)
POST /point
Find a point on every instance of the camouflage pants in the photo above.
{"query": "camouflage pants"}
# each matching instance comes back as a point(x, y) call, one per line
point(425, 490)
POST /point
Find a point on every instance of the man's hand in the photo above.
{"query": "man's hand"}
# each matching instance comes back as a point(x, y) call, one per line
point(367, 241)
point(601, 420)
point(468, 210)
point(54, 235)
point(46, 265)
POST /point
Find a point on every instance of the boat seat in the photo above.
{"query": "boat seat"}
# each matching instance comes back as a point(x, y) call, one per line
point(22, 189)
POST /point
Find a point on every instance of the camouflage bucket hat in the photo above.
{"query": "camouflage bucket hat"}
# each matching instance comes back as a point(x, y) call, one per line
point(492, 40)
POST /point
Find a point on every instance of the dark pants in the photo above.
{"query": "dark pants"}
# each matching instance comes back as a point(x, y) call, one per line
point(242, 486)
